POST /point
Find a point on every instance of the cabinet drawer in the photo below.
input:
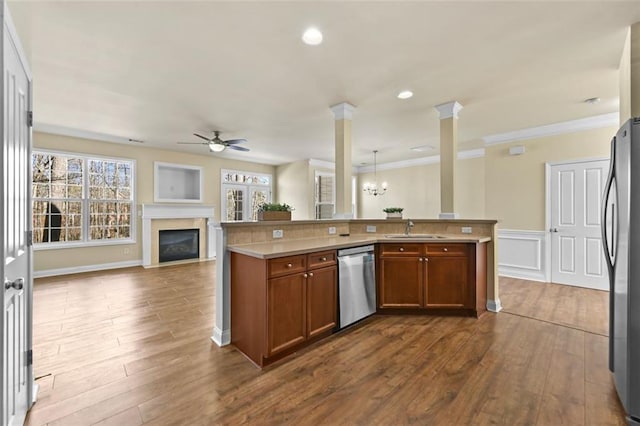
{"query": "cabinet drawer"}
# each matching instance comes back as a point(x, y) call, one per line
point(321, 259)
point(400, 249)
point(287, 265)
point(444, 249)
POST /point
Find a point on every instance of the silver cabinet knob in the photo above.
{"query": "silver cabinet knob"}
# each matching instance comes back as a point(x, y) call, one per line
point(289, 265)
point(310, 274)
point(401, 248)
point(446, 249)
point(420, 259)
point(18, 284)
point(305, 275)
point(323, 259)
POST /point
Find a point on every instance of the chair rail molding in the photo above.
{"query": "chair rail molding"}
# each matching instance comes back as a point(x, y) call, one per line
point(522, 254)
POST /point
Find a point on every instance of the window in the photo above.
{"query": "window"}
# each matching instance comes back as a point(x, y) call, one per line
point(79, 199)
point(325, 195)
point(243, 193)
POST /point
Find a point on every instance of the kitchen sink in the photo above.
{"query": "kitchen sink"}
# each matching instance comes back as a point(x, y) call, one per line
point(416, 236)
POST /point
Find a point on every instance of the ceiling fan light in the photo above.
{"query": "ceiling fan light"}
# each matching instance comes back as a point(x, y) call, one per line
point(312, 37)
point(216, 147)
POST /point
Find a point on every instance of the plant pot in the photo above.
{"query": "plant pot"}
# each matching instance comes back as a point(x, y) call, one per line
point(394, 215)
point(274, 215)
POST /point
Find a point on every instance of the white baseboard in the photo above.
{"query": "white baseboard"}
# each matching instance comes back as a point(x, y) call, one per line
point(86, 268)
point(494, 305)
point(522, 254)
point(221, 338)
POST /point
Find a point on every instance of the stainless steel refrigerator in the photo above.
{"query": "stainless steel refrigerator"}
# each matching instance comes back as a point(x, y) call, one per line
point(621, 240)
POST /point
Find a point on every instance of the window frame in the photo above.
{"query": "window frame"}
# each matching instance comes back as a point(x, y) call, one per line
point(247, 188)
point(85, 200)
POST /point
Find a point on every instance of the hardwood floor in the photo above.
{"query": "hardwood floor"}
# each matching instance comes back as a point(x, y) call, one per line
point(132, 346)
point(574, 307)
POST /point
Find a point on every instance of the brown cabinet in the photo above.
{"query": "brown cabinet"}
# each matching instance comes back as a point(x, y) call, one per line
point(279, 305)
point(432, 276)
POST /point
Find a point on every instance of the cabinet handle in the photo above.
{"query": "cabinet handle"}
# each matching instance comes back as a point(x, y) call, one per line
point(445, 249)
point(310, 274)
point(305, 275)
point(289, 265)
point(401, 249)
point(426, 259)
point(323, 259)
point(420, 259)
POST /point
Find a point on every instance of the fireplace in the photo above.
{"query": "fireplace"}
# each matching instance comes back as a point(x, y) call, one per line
point(178, 244)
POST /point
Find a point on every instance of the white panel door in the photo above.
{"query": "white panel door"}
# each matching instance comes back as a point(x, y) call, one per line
point(17, 373)
point(576, 250)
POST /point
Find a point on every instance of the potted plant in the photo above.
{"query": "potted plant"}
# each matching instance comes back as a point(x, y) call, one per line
point(393, 212)
point(274, 211)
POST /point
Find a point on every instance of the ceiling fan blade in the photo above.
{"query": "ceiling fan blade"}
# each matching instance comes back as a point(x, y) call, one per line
point(202, 137)
point(238, 148)
point(193, 143)
point(235, 141)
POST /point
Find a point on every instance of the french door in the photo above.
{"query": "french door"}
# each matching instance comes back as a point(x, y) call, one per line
point(241, 202)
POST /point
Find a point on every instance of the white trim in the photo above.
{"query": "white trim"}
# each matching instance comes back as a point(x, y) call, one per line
point(86, 268)
point(171, 211)
point(528, 265)
point(221, 338)
point(432, 159)
point(343, 111)
point(327, 165)
point(494, 305)
point(448, 110)
point(17, 44)
point(595, 122)
point(78, 133)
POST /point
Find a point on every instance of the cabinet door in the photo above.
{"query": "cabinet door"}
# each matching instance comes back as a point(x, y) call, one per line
point(447, 282)
point(321, 300)
point(401, 282)
point(286, 312)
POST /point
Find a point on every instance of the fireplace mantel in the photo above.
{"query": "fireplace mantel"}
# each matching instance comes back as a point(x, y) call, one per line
point(176, 211)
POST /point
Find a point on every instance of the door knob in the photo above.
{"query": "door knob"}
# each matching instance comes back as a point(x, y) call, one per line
point(554, 230)
point(18, 284)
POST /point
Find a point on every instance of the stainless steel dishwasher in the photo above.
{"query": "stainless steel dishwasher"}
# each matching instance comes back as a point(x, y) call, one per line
point(357, 284)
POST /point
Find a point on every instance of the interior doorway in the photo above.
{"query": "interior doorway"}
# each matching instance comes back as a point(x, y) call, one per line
point(574, 198)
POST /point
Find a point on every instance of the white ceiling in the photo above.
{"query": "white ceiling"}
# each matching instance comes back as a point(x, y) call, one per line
point(159, 71)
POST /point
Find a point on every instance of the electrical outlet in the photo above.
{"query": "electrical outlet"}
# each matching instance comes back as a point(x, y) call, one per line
point(371, 228)
point(277, 233)
point(467, 230)
point(332, 230)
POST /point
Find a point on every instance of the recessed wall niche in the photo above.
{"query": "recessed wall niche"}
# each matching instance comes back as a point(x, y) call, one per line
point(177, 183)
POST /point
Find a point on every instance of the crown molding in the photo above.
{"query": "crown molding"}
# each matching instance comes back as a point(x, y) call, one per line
point(448, 110)
point(77, 133)
point(432, 159)
point(343, 111)
point(595, 122)
point(326, 165)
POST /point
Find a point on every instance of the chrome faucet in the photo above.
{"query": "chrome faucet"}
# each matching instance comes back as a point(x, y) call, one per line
point(408, 227)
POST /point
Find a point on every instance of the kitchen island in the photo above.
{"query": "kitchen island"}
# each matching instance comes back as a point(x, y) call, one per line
point(258, 274)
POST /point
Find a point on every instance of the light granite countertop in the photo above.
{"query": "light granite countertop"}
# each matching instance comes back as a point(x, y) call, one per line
point(273, 249)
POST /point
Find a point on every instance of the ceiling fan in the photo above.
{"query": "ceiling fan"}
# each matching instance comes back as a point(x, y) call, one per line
point(218, 145)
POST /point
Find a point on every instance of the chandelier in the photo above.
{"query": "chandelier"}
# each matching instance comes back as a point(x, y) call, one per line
point(372, 188)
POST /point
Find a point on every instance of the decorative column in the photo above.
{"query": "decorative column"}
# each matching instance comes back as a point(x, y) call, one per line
point(630, 75)
point(448, 157)
point(343, 114)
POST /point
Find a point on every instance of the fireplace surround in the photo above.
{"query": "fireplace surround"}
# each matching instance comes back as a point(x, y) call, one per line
point(157, 217)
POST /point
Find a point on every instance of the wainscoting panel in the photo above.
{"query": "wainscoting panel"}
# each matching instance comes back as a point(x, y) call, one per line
point(521, 254)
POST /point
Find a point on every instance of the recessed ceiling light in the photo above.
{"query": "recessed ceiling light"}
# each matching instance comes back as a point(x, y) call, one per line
point(405, 94)
point(312, 36)
point(422, 148)
point(592, 101)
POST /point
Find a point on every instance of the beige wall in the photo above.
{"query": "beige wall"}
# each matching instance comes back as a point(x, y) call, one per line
point(144, 157)
point(294, 184)
point(417, 190)
point(515, 185)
